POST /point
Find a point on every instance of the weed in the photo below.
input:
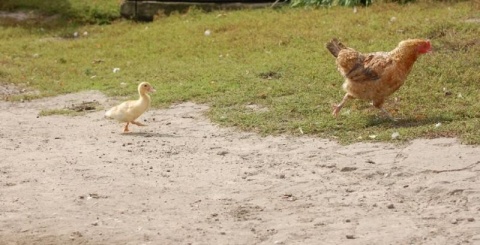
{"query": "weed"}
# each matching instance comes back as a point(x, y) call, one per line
point(63, 112)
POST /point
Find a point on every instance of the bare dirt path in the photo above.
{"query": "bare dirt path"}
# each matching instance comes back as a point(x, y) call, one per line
point(184, 180)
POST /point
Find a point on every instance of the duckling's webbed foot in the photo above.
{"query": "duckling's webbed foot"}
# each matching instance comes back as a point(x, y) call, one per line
point(138, 124)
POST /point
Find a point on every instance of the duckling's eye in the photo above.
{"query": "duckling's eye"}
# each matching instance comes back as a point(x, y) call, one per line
point(145, 85)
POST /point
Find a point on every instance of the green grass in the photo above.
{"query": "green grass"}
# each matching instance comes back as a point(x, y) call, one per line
point(73, 110)
point(91, 11)
point(63, 112)
point(274, 59)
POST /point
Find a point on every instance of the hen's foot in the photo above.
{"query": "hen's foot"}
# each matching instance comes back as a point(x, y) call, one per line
point(387, 114)
point(336, 110)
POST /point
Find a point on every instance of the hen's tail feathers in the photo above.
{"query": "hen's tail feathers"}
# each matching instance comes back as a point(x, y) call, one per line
point(335, 46)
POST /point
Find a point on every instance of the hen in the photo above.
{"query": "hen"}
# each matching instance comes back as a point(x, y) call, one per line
point(375, 76)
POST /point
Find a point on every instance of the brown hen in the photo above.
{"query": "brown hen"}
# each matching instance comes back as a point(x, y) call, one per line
point(375, 76)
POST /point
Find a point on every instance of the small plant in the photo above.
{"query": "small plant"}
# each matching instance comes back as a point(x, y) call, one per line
point(328, 3)
point(351, 3)
point(299, 3)
point(73, 110)
point(404, 1)
point(64, 112)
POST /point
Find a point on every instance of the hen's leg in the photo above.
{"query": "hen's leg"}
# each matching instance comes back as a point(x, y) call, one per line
point(379, 104)
point(337, 108)
point(138, 124)
point(125, 130)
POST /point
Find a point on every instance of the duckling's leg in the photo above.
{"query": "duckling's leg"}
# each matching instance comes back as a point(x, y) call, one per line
point(125, 130)
point(138, 124)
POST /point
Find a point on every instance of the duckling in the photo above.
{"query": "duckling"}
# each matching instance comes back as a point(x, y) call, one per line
point(129, 111)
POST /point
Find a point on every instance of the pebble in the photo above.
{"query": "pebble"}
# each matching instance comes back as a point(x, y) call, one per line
point(350, 236)
point(222, 153)
point(390, 206)
point(77, 234)
point(319, 224)
point(348, 169)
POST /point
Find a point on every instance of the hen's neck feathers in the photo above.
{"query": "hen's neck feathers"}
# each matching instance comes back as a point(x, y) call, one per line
point(404, 57)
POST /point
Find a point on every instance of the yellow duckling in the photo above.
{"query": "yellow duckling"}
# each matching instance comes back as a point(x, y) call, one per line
point(129, 111)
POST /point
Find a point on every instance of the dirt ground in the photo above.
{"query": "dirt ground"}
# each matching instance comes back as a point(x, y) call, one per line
point(184, 180)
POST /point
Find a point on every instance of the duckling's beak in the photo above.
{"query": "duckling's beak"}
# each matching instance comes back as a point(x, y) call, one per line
point(152, 90)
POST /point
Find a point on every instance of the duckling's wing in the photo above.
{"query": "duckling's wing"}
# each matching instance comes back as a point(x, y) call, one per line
point(125, 112)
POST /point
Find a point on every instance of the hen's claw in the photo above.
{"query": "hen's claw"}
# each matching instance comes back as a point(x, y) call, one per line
point(387, 114)
point(336, 110)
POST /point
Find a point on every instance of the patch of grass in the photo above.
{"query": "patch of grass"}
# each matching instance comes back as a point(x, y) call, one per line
point(73, 110)
point(62, 112)
point(273, 59)
point(92, 11)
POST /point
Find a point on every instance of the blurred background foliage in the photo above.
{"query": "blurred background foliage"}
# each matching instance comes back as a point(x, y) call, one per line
point(91, 11)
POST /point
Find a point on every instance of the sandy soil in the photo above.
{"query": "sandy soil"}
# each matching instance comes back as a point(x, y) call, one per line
point(184, 180)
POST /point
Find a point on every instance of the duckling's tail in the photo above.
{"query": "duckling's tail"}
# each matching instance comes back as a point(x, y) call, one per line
point(108, 114)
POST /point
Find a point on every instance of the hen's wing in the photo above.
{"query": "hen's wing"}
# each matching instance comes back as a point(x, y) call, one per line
point(363, 67)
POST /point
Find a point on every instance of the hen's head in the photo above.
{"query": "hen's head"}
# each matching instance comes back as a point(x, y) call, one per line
point(420, 46)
